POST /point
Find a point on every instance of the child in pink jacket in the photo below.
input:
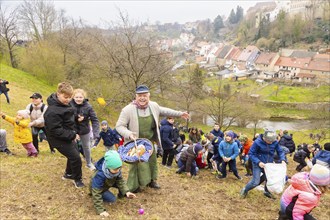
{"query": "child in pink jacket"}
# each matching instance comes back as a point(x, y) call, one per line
point(304, 193)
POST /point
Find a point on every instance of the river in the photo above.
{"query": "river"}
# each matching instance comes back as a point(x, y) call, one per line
point(284, 124)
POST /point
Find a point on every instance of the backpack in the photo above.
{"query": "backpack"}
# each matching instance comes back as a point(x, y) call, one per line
point(42, 108)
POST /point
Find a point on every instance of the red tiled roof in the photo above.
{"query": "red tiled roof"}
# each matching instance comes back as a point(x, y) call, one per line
point(246, 53)
point(293, 62)
point(265, 58)
point(234, 54)
point(323, 66)
point(305, 75)
point(325, 57)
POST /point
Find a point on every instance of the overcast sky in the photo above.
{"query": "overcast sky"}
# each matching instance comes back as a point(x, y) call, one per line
point(96, 12)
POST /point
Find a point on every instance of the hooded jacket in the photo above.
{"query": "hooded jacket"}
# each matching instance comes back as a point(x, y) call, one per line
point(100, 183)
point(228, 149)
point(59, 122)
point(260, 151)
point(22, 133)
point(308, 195)
point(323, 158)
point(287, 141)
point(188, 157)
point(247, 145)
point(166, 134)
point(217, 133)
point(86, 110)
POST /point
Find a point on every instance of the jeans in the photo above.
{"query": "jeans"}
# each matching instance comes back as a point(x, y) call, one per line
point(85, 142)
point(232, 166)
point(73, 165)
point(108, 196)
point(182, 167)
point(7, 97)
point(257, 178)
point(168, 157)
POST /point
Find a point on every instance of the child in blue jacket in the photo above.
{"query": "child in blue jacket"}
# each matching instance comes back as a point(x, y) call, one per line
point(228, 151)
point(109, 136)
point(108, 174)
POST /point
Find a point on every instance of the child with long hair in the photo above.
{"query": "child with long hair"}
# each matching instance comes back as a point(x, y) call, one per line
point(22, 133)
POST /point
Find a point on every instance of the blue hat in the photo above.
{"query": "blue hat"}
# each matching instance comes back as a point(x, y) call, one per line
point(141, 89)
point(198, 147)
point(230, 134)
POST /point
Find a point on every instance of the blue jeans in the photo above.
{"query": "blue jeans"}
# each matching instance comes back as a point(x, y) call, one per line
point(232, 166)
point(257, 178)
point(108, 196)
point(182, 167)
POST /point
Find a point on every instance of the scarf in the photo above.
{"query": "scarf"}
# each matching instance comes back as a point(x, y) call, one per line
point(139, 106)
point(107, 172)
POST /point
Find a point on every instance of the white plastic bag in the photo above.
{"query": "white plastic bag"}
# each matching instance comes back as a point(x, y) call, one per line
point(276, 174)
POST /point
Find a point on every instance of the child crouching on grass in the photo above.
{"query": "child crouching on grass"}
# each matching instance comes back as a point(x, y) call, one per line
point(22, 133)
point(304, 193)
point(108, 174)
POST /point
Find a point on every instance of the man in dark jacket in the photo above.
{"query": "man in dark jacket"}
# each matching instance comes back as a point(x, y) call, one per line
point(166, 137)
point(4, 89)
point(60, 127)
point(287, 141)
point(216, 131)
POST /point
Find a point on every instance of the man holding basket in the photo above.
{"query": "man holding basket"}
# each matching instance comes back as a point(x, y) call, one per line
point(140, 119)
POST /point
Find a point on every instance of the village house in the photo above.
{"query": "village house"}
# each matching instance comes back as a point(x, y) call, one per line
point(289, 67)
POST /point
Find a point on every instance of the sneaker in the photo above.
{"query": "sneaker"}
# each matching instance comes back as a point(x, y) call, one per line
point(78, 183)
point(220, 177)
point(8, 152)
point(91, 167)
point(215, 172)
point(239, 178)
point(269, 195)
point(243, 193)
point(67, 177)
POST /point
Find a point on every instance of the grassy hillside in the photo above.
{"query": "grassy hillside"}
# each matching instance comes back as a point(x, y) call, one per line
point(32, 188)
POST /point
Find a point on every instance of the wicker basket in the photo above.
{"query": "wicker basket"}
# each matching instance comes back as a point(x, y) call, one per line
point(124, 149)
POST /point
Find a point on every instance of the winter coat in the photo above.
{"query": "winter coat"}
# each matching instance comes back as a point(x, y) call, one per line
point(166, 135)
point(128, 123)
point(188, 157)
point(36, 115)
point(287, 141)
point(86, 110)
point(59, 122)
point(260, 151)
point(322, 158)
point(109, 137)
point(22, 133)
point(308, 196)
point(228, 149)
point(218, 133)
point(302, 154)
point(3, 87)
point(100, 184)
point(247, 145)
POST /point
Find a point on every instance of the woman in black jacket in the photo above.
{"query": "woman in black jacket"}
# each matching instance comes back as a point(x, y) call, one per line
point(84, 114)
point(4, 89)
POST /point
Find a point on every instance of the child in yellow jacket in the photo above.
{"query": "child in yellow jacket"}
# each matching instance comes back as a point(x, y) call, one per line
point(22, 133)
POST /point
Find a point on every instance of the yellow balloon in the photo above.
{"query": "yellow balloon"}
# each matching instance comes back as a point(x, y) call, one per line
point(101, 101)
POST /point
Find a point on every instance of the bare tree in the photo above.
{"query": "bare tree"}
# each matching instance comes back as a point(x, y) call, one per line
point(38, 17)
point(223, 106)
point(129, 55)
point(9, 31)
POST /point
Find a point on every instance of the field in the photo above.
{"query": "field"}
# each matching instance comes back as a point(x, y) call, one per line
point(32, 188)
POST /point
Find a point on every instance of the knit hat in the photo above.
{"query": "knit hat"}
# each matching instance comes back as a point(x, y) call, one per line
point(24, 113)
point(230, 134)
point(198, 147)
point(112, 160)
point(320, 175)
point(104, 123)
point(269, 135)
